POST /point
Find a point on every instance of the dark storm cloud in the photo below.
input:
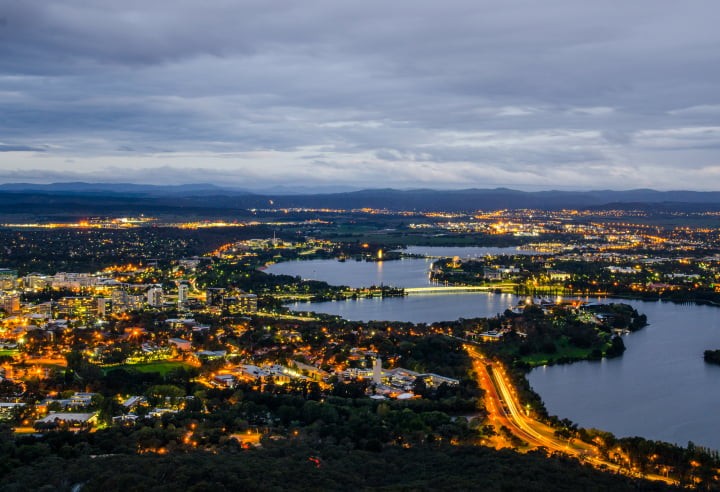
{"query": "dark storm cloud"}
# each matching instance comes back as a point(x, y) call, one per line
point(509, 93)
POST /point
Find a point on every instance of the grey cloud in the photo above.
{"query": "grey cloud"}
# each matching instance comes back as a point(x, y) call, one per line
point(111, 174)
point(406, 83)
point(19, 148)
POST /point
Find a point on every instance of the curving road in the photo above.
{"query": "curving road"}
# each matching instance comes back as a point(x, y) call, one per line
point(505, 409)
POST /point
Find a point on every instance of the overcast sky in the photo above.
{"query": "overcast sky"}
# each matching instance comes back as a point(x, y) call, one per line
point(557, 94)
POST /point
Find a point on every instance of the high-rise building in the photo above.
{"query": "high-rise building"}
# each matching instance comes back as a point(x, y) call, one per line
point(8, 279)
point(11, 304)
point(241, 303)
point(155, 296)
point(214, 296)
point(119, 299)
point(103, 306)
point(124, 301)
point(80, 308)
point(35, 281)
point(183, 290)
point(248, 303)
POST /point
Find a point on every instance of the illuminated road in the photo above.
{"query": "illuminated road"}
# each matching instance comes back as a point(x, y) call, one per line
point(505, 409)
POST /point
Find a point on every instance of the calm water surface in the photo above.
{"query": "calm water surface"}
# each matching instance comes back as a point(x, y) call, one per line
point(415, 308)
point(659, 389)
point(408, 272)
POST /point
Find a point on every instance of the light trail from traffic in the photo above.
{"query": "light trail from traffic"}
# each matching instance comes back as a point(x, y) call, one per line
point(504, 407)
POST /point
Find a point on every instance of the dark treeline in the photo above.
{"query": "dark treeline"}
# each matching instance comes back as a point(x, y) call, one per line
point(298, 465)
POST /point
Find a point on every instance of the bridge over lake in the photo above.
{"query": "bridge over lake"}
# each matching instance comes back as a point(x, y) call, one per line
point(447, 289)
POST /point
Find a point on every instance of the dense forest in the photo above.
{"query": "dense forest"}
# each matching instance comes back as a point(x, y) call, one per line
point(54, 466)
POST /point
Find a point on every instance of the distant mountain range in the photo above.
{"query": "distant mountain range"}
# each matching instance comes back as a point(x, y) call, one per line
point(119, 188)
point(105, 198)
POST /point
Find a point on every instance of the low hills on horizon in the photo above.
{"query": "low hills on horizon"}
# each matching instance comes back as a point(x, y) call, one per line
point(107, 198)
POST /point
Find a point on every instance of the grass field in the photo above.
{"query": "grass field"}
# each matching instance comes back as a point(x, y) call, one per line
point(564, 351)
point(9, 353)
point(162, 367)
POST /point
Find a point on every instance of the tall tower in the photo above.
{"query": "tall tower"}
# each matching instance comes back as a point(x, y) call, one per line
point(377, 370)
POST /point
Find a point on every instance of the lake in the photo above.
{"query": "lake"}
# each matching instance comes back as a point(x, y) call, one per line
point(659, 389)
point(415, 308)
point(407, 272)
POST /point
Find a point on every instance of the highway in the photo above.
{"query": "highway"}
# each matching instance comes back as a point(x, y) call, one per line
point(504, 409)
